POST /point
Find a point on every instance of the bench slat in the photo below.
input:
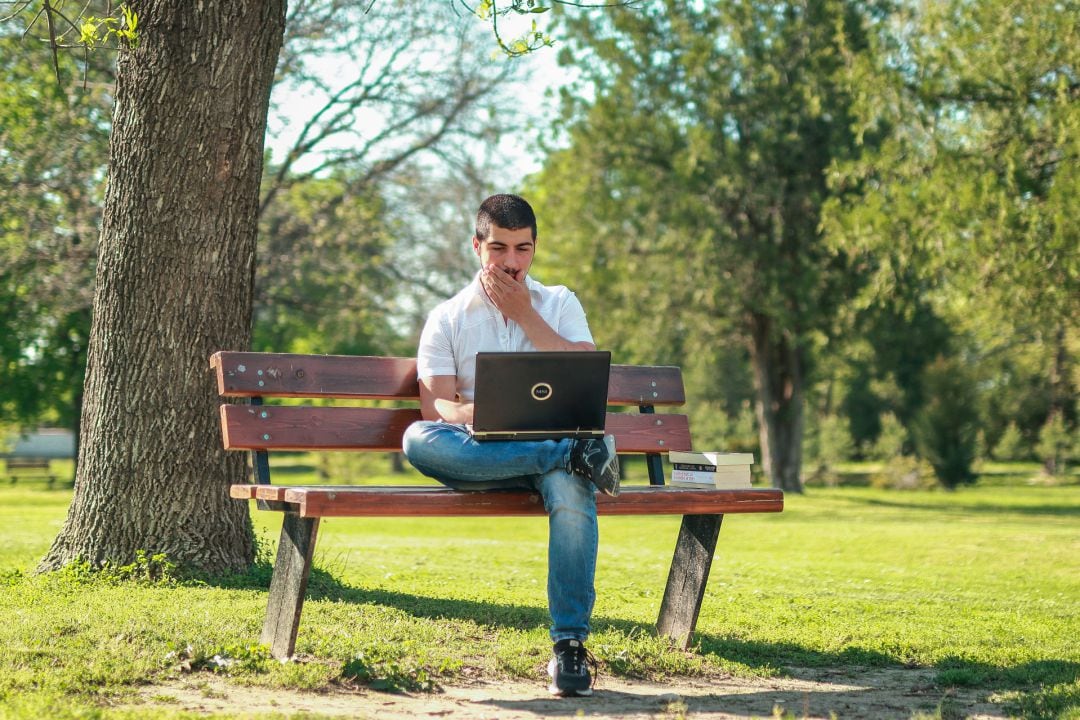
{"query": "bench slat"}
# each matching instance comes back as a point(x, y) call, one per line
point(26, 463)
point(248, 374)
point(265, 427)
point(381, 501)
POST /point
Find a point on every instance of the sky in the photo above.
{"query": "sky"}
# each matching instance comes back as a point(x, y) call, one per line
point(540, 73)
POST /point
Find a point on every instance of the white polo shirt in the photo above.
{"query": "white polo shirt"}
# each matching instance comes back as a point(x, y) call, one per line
point(469, 323)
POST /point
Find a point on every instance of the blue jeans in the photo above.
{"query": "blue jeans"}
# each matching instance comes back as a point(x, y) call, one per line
point(449, 454)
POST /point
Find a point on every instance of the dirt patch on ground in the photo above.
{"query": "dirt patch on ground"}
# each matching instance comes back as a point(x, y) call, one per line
point(876, 693)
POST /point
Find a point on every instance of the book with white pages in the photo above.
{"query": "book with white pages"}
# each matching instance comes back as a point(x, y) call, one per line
point(709, 461)
point(735, 476)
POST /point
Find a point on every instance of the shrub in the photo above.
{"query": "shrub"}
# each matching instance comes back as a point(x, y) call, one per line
point(904, 472)
point(714, 428)
point(890, 440)
point(1057, 445)
point(945, 427)
point(827, 443)
point(1011, 445)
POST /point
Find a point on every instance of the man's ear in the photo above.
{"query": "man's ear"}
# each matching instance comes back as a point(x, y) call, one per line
point(476, 245)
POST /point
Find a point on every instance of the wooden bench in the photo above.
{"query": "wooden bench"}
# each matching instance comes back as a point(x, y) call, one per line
point(17, 468)
point(262, 428)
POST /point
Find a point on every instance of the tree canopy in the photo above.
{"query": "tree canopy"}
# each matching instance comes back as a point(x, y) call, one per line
point(701, 164)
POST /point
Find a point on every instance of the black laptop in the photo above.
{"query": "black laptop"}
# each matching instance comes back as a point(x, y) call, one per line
point(540, 395)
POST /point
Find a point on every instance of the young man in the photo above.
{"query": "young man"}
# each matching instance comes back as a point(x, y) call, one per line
point(503, 309)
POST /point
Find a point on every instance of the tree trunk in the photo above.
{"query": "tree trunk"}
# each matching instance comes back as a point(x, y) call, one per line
point(1059, 391)
point(77, 367)
point(174, 283)
point(778, 379)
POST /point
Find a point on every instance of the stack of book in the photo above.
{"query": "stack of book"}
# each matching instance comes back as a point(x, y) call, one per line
point(710, 469)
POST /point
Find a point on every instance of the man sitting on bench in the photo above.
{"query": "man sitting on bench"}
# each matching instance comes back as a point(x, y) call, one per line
point(503, 310)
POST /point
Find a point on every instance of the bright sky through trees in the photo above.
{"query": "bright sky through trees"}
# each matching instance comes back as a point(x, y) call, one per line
point(535, 90)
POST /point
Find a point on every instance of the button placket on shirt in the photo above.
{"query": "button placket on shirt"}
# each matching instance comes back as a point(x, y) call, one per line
point(506, 333)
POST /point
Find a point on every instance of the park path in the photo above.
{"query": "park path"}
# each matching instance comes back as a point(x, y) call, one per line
point(844, 694)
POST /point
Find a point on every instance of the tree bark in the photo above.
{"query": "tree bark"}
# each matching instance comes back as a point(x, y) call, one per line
point(1060, 391)
point(77, 364)
point(778, 378)
point(174, 283)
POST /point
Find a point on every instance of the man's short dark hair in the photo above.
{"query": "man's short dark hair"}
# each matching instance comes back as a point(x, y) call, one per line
point(507, 211)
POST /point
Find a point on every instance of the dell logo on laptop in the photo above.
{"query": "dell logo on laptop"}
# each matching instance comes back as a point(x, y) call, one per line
point(541, 391)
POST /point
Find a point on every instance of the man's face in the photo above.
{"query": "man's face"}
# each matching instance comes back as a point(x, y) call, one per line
point(509, 250)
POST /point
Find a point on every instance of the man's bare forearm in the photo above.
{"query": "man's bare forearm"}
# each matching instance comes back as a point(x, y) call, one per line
point(544, 337)
point(452, 411)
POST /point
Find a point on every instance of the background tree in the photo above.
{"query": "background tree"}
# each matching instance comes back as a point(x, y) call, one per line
point(976, 126)
point(399, 107)
point(52, 152)
point(320, 284)
point(701, 164)
point(311, 243)
point(946, 424)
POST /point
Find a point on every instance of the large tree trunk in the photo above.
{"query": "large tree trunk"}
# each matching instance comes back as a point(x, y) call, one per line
point(778, 378)
point(174, 284)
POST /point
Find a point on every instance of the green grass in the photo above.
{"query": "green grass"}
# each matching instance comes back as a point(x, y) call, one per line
point(981, 584)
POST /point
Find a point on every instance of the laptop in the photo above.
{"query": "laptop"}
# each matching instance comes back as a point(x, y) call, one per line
point(540, 395)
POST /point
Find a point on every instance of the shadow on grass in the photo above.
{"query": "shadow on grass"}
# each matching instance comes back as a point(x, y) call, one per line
point(1046, 509)
point(824, 701)
point(324, 586)
point(785, 659)
point(797, 661)
point(960, 507)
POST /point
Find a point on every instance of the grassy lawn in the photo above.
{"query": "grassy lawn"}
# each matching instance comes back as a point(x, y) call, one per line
point(982, 585)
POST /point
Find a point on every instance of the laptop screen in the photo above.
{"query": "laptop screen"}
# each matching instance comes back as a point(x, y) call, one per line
point(541, 395)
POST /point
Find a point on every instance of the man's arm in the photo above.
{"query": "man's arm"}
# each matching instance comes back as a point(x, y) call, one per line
point(513, 300)
point(542, 336)
point(438, 400)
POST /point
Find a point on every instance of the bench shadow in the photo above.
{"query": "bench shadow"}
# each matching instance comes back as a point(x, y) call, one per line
point(892, 691)
point(322, 585)
point(841, 702)
point(784, 660)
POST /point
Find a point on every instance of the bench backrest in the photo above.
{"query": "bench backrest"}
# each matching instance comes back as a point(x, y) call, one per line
point(262, 427)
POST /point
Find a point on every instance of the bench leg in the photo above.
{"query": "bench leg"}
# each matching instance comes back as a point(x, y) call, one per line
point(686, 580)
point(289, 583)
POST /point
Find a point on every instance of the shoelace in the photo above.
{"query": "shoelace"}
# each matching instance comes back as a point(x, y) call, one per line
point(591, 451)
point(582, 656)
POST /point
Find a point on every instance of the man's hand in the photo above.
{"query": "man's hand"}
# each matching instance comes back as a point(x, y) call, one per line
point(454, 412)
point(509, 294)
point(439, 401)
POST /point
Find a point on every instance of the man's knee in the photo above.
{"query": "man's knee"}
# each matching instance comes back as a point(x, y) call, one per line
point(416, 439)
point(567, 491)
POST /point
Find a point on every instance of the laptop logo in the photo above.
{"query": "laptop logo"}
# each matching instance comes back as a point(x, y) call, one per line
point(541, 391)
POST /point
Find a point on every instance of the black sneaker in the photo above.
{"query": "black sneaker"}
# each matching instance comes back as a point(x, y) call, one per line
point(596, 461)
point(569, 669)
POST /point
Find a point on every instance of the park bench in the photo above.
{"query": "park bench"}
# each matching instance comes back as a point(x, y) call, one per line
point(26, 468)
point(262, 428)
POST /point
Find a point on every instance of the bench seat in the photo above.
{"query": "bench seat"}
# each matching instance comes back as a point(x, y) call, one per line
point(424, 501)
